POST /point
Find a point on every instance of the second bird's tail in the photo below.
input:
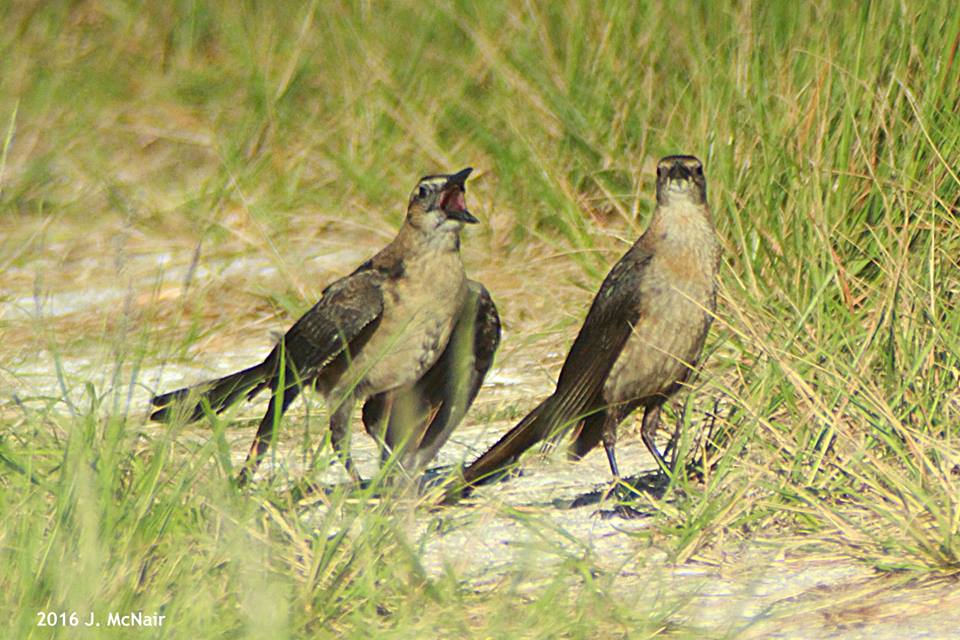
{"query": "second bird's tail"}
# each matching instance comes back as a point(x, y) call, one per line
point(538, 425)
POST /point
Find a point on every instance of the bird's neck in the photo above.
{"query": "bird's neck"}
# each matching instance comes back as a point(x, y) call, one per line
point(681, 216)
point(682, 239)
point(417, 241)
point(411, 246)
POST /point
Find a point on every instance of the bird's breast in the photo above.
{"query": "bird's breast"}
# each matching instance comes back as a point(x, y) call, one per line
point(418, 316)
point(677, 299)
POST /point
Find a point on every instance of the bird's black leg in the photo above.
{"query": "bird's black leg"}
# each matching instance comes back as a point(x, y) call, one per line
point(387, 434)
point(339, 432)
point(265, 433)
point(609, 436)
point(612, 459)
point(651, 420)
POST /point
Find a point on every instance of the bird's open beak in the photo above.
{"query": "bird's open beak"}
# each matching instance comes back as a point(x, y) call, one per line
point(460, 177)
point(452, 201)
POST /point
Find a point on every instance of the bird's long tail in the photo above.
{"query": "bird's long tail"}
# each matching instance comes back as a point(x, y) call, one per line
point(547, 422)
point(215, 394)
point(536, 426)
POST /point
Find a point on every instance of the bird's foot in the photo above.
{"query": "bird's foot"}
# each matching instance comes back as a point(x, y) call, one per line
point(624, 511)
point(443, 486)
point(435, 478)
point(244, 478)
point(355, 479)
point(616, 490)
point(621, 493)
point(620, 490)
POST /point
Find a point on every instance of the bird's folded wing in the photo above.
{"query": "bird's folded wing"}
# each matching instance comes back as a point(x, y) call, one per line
point(463, 365)
point(346, 308)
point(614, 311)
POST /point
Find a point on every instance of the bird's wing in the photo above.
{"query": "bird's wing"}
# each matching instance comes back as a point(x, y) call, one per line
point(338, 323)
point(427, 412)
point(454, 381)
point(346, 308)
point(613, 314)
point(614, 311)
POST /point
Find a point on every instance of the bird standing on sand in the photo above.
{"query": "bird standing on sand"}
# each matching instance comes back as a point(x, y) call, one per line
point(384, 333)
point(641, 338)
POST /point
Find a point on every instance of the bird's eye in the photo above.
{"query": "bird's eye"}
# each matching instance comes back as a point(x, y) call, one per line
point(659, 172)
point(699, 170)
point(422, 192)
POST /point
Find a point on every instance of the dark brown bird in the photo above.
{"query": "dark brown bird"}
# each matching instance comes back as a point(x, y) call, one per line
point(641, 338)
point(384, 333)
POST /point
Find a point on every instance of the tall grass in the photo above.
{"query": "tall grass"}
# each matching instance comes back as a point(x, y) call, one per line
point(831, 138)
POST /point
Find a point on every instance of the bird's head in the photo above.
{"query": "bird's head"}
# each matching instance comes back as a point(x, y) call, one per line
point(437, 203)
point(680, 178)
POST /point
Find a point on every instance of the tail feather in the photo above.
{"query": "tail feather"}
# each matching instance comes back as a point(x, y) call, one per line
point(217, 394)
point(536, 426)
point(548, 422)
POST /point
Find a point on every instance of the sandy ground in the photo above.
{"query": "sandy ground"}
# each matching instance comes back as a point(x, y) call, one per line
point(757, 588)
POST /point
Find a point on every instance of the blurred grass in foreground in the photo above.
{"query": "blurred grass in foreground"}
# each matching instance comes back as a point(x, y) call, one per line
point(830, 136)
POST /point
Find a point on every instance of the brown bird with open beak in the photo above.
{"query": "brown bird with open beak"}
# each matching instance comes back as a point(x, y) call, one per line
point(641, 338)
point(378, 333)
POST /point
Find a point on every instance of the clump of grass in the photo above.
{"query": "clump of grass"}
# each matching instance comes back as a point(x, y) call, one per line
point(216, 132)
point(115, 518)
